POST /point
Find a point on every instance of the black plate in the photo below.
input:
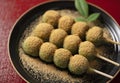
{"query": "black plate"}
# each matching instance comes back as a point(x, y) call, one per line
point(25, 20)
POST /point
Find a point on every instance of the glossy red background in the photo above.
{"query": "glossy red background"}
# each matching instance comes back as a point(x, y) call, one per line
point(10, 10)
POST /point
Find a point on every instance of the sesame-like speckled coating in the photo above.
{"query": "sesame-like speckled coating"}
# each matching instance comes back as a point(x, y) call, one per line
point(46, 51)
point(31, 45)
point(51, 17)
point(65, 23)
point(62, 57)
point(78, 64)
point(95, 35)
point(80, 28)
point(87, 49)
point(57, 37)
point(71, 43)
point(43, 30)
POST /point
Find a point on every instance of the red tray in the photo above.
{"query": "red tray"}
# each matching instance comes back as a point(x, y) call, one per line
point(10, 10)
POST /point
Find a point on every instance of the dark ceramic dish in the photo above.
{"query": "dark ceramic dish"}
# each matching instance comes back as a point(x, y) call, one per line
point(27, 18)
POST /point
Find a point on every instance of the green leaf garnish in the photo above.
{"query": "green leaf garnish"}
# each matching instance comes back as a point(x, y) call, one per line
point(80, 19)
point(82, 7)
point(93, 17)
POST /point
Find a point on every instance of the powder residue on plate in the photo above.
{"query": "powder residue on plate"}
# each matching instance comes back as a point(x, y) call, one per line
point(48, 72)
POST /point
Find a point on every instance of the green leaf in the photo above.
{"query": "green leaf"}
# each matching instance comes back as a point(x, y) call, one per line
point(80, 19)
point(82, 7)
point(93, 17)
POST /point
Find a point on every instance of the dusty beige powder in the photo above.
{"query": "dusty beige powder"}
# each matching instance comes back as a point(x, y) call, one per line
point(48, 73)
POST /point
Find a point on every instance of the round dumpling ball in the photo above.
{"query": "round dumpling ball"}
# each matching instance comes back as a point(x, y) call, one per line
point(31, 45)
point(51, 17)
point(80, 28)
point(87, 49)
point(78, 64)
point(43, 31)
point(57, 37)
point(95, 35)
point(71, 43)
point(65, 23)
point(46, 51)
point(62, 57)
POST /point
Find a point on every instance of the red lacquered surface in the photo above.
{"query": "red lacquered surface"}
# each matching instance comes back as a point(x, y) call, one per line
point(10, 10)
